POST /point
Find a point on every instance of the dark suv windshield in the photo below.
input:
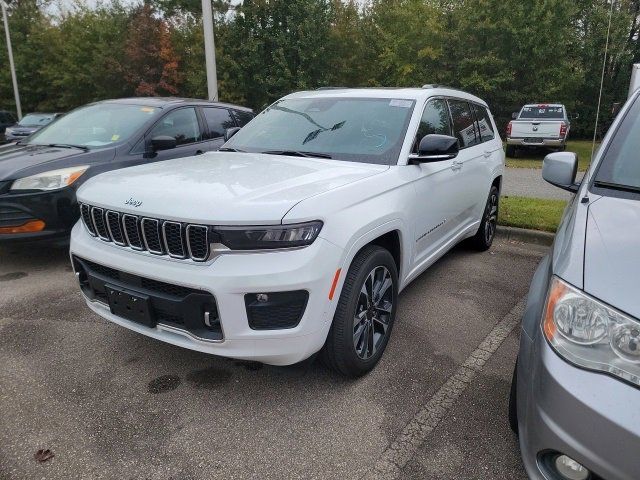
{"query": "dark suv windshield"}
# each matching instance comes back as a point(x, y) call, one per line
point(95, 126)
point(369, 130)
point(620, 167)
point(542, 112)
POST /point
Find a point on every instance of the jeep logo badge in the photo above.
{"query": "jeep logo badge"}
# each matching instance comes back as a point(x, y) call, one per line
point(133, 203)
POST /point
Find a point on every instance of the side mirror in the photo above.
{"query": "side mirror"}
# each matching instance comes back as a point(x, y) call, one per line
point(514, 115)
point(230, 132)
point(435, 148)
point(560, 169)
point(163, 142)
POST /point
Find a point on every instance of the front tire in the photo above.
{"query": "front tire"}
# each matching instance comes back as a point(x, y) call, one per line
point(365, 313)
point(483, 239)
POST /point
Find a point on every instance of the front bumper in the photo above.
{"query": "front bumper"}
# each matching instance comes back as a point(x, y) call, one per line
point(58, 209)
point(591, 417)
point(228, 278)
point(537, 142)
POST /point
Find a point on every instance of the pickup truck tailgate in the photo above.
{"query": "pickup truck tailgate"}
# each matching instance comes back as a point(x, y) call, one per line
point(535, 129)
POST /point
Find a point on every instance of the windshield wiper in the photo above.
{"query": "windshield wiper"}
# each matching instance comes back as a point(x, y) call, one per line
point(297, 153)
point(60, 145)
point(229, 149)
point(617, 186)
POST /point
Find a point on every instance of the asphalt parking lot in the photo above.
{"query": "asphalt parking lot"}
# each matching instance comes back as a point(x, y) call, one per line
point(113, 404)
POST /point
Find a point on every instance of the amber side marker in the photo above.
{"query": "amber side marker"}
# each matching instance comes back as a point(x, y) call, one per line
point(334, 284)
point(32, 226)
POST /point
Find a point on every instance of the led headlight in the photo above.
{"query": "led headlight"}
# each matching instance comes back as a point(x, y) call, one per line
point(591, 334)
point(50, 180)
point(269, 237)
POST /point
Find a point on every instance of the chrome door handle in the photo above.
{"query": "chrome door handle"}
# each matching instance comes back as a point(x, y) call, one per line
point(456, 165)
point(487, 154)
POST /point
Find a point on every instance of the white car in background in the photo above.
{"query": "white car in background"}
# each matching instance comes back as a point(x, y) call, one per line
point(299, 234)
point(538, 125)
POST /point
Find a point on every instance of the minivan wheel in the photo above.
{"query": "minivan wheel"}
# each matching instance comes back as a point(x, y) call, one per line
point(483, 239)
point(513, 401)
point(365, 313)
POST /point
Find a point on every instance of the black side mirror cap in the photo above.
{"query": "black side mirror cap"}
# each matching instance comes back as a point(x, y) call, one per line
point(163, 142)
point(435, 148)
point(230, 132)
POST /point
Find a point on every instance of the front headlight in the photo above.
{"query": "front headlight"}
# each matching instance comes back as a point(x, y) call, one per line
point(591, 334)
point(269, 237)
point(50, 180)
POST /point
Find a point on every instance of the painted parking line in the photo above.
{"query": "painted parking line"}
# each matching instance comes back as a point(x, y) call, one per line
point(403, 448)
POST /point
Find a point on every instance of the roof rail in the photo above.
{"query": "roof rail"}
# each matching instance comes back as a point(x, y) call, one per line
point(331, 88)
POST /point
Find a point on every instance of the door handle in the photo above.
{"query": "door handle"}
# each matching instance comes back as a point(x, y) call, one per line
point(487, 154)
point(456, 165)
point(199, 152)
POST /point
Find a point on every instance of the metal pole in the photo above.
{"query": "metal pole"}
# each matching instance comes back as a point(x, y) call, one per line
point(209, 50)
point(11, 65)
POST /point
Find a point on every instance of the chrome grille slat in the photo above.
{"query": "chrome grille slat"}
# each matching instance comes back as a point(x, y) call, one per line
point(114, 225)
point(151, 235)
point(97, 215)
point(85, 213)
point(180, 241)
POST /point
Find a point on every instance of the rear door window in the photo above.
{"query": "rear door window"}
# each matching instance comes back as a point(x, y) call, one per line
point(464, 125)
point(484, 123)
point(243, 117)
point(218, 120)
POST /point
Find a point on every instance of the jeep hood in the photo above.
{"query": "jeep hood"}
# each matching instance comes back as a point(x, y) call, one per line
point(612, 253)
point(221, 187)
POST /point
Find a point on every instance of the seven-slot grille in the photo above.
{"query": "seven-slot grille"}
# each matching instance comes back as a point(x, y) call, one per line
point(159, 237)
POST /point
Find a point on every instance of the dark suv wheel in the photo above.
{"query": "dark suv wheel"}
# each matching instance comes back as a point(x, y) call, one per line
point(365, 313)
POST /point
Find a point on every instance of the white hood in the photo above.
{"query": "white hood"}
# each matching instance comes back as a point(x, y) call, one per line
point(221, 187)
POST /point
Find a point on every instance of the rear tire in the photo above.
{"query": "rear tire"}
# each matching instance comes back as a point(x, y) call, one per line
point(511, 151)
point(365, 314)
point(483, 239)
point(513, 401)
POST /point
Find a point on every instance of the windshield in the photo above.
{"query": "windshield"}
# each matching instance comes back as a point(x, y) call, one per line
point(620, 166)
point(542, 112)
point(369, 130)
point(36, 119)
point(95, 126)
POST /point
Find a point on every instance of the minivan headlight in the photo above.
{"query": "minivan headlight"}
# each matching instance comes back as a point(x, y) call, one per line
point(50, 180)
point(590, 333)
point(269, 237)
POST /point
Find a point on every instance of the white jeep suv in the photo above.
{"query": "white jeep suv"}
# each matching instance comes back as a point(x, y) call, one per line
point(298, 235)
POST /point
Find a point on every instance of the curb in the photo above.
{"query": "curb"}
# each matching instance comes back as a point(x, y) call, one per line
point(524, 235)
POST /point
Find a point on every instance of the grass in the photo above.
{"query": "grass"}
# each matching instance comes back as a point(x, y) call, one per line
point(533, 158)
point(532, 213)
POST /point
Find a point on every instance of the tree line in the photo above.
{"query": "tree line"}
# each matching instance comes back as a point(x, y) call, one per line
point(508, 52)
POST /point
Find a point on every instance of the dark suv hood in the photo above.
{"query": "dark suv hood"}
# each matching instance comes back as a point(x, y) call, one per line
point(611, 253)
point(18, 161)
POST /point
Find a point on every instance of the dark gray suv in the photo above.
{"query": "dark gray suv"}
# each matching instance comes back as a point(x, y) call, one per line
point(575, 398)
point(40, 174)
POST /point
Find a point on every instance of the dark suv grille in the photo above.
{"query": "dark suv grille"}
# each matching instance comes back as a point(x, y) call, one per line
point(159, 237)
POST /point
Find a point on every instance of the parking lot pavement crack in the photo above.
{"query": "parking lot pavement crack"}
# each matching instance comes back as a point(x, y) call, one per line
point(398, 454)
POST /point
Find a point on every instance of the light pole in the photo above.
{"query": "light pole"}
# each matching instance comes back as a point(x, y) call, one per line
point(209, 50)
point(16, 94)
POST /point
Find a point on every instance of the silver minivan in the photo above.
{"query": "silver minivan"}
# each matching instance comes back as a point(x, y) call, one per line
point(575, 398)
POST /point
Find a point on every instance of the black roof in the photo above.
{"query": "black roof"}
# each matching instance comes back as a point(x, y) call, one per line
point(166, 101)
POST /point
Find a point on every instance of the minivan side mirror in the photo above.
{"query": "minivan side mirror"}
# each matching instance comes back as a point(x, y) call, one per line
point(560, 169)
point(230, 132)
point(435, 148)
point(163, 142)
point(514, 115)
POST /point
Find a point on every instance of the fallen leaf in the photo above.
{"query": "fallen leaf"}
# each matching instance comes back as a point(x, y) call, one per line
point(43, 455)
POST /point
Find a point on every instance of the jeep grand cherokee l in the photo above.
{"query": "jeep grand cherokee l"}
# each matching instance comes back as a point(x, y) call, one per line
point(300, 232)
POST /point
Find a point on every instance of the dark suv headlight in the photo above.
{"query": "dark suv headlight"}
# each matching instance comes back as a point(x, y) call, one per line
point(590, 333)
point(268, 237)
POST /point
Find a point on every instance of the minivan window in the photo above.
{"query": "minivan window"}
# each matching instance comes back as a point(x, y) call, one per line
point(484, 123)
point(218, 120)
point(356, 129)
point(620, 167)
point(181, 124)
point(464, 125)
point(542, 112)
point(435, 120)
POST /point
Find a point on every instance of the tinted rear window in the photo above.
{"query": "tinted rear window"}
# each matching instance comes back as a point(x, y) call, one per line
point(242, 117)
point(542, 111)
point(218, 120)
point(464, 125)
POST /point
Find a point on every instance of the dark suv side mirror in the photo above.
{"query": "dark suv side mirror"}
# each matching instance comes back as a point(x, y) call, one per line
point(435, 148)
point(163, 142)
point(230, 132)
